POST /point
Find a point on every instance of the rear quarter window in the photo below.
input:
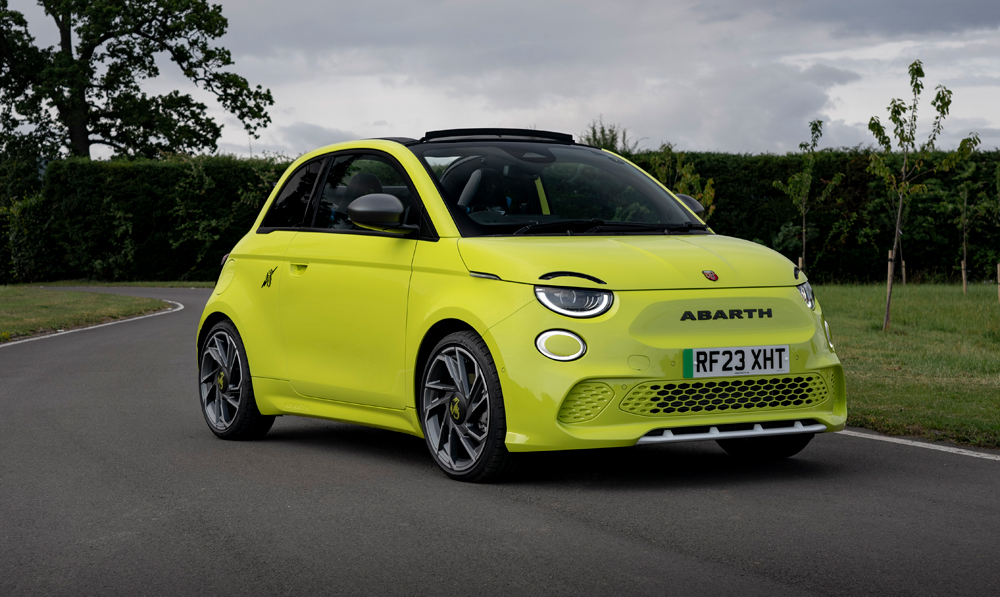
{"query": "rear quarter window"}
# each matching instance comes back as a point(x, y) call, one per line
point(289, 208)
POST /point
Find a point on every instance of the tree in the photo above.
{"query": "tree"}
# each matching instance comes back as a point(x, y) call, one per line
point(969, 205)
point(86, 90)
point(799, 184)
point(670, 169)
point(613, 137)
point(901, 177)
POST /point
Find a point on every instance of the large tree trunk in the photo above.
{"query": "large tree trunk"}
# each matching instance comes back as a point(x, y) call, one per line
point(75, 112)
point(79, 137)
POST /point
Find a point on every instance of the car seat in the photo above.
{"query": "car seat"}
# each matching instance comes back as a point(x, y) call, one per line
point(484, 191)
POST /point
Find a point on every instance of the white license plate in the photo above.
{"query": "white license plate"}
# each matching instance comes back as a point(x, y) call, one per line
point(735, 360)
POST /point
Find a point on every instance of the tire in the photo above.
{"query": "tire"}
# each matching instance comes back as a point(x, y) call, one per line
point(464, 423)
point(767, 448)
point(226, 388)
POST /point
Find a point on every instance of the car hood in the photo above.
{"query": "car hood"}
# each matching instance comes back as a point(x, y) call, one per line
point(638, 262)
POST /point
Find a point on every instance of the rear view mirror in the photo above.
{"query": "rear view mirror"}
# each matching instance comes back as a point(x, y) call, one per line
point(381, 212)
point(692, 203)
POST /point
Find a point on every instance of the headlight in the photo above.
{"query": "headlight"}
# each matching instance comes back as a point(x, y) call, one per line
point(575, 302)
point(807, 295)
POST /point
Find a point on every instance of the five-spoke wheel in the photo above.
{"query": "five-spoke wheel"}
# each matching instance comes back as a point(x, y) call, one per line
point(226, 391)
point(461, 409)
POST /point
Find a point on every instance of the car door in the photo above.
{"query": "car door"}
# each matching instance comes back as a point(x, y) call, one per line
point(258, 262)
point(343, 301)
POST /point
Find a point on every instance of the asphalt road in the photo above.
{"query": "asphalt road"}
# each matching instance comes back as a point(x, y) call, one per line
point(111, 483)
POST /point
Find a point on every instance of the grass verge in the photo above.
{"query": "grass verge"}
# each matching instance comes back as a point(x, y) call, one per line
point(169, 284)
point(935, 374)
point(29, 311)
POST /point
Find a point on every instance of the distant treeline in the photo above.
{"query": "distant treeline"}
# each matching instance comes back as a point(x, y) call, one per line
point(850, 235)
point(175, 218)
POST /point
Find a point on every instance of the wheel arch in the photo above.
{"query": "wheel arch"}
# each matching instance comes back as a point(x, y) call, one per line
point(434, 335)
point(210, 320)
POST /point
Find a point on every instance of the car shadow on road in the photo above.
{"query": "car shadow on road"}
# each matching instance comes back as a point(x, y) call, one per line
point(679, 465)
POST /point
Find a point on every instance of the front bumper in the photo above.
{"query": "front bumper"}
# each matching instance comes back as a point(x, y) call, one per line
point(629, 386)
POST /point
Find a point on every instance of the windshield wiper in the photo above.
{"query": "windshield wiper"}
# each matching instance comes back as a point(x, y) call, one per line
point(567, 225)
point(645, 227)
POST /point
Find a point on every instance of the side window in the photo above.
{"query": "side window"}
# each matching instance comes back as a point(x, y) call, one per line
point(289, 208)
point(355, 175)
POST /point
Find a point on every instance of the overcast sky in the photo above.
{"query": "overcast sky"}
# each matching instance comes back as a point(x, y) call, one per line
point(723, 75)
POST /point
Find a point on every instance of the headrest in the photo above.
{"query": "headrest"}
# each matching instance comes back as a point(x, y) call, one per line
point(484, 189)
point(362, 183)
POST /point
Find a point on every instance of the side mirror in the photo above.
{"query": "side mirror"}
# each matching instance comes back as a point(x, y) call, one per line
point(692, 203)
point(381, 212)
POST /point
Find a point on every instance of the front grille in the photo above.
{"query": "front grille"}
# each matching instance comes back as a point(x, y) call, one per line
point(585, 401)
point(672, 398)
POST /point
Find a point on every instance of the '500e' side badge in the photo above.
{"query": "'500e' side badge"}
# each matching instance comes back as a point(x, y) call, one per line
point(710, 275)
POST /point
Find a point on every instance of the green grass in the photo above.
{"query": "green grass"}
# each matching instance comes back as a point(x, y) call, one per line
point(935, 374)
point(172, 284)
point(27, 311)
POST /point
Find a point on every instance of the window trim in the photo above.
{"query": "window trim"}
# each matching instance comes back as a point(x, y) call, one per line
point(311, 210)
point(324, 165)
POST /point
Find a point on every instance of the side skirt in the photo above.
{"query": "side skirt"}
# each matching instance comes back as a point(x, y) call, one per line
point(276, 397)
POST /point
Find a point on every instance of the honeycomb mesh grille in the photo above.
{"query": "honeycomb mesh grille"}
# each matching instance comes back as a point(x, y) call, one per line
point(671, 398)
point(585, 401)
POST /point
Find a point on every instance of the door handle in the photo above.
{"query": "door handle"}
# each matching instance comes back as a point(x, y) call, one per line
point(297, 269)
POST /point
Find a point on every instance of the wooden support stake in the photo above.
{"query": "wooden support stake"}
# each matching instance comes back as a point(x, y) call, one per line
point(904, 273)
point(800, 263)
point(888, 283)
point(965, 280)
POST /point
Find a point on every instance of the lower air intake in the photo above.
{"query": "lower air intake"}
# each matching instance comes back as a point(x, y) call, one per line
point(672, 398)
point(585, 401)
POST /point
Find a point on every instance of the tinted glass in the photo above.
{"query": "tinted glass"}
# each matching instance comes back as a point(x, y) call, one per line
point(289, 208)
point(355, 175)
point(501, 187)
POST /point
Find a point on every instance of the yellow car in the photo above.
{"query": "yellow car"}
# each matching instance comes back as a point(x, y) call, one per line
point(501, 290)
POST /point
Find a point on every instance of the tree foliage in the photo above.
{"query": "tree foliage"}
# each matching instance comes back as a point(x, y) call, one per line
point(680, 176)
point(86, 90)
point(799, 185)
point(613, 137)
point(902, 183)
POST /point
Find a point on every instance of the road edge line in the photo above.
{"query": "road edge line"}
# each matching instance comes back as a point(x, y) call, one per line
point(908, 442)
point(178, 307)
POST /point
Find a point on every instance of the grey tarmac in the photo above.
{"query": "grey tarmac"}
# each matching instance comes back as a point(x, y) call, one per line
point(111, 483)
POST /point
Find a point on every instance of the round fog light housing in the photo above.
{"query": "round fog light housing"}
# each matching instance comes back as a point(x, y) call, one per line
point(560, 345)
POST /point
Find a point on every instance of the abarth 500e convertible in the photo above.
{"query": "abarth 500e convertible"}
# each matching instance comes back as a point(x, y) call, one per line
point(503, 290)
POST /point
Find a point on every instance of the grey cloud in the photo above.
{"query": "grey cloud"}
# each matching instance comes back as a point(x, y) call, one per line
point(302, 137)
point(856, 18)
point(972, 81)
point(828, 76)
point(764, 108)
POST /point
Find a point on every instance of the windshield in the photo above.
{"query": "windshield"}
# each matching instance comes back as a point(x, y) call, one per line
point(510, 188)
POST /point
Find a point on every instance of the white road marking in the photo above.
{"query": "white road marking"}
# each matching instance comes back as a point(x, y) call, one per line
point(929, 446)
point(178, 307)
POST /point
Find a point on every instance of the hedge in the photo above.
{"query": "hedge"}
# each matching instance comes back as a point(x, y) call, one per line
point(136, 220)
point(173, 219)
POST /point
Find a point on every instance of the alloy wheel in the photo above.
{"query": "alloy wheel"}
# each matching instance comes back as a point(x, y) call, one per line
point(221, 380)
point(456, 408)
